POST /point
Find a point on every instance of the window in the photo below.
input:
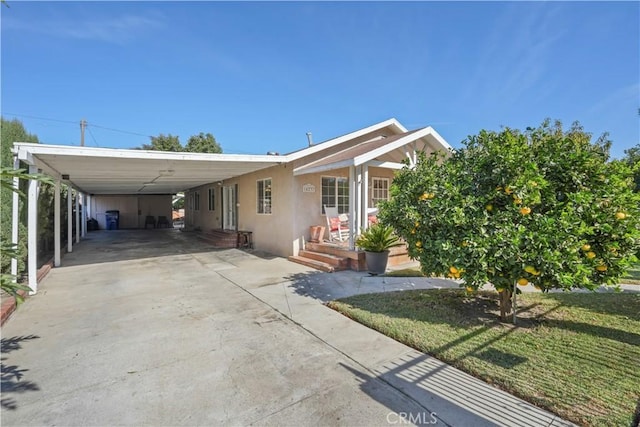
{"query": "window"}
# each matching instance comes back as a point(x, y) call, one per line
point(196, 200)
point(212, 199)
point(335, 192)
point(264, 196)
point(379, 190)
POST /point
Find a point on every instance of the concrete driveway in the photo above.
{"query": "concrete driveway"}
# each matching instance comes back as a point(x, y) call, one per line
point(154, 327)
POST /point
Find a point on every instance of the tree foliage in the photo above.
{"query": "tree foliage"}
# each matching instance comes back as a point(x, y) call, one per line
point(164, 143)
point(11, 131)
point(632, 159)
point(201, 143)
point(544, 206)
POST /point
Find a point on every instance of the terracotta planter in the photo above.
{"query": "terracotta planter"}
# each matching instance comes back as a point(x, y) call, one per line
point(317, 233)
point(377, 262)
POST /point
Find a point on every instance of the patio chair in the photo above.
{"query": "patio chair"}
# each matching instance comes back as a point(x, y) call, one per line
point(150, 220)
point(163, 221)
point(337, 224)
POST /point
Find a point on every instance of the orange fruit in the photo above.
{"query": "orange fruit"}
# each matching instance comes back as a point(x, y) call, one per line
point(601, 268)
point(591, 255)
point(418, 244)
point(453, 270)
point(508, 190)
point(621, 215)
point(586, 247)
point(469, 289)
point(489, 207)
point(523, 282)
point(525, 210)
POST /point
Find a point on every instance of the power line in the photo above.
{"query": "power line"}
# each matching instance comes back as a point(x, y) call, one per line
point(92, 137)
point(118, 130)
point(76, 122)
point(39, 118)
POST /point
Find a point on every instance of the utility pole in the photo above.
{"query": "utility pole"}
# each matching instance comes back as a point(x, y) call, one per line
point(83, 125)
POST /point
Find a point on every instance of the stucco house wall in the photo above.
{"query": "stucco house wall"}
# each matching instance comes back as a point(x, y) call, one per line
point(133, 208)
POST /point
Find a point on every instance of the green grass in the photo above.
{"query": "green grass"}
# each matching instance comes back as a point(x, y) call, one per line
point(575, 354)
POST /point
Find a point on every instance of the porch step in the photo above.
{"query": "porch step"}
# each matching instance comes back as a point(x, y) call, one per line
point(338, 262)
point(318, 265)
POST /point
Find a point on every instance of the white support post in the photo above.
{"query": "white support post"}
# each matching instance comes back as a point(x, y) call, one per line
point(32, 232)
point(15, 214)
point(56, 224)
point(84, 215)
point(78, 195)
point(365, 196)
point(352, 207)
point(69, 219)
point(358, 199)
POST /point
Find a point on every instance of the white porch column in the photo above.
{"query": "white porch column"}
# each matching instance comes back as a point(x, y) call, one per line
point(352, 207)
point(56, 224)
point(365, 197)
point(84, 215)
point(32, 232)
point(358, 199)
point(69, 219)
point(15, 218)
point(78, 195)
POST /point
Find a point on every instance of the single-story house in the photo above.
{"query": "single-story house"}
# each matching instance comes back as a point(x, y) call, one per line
point(275, 197)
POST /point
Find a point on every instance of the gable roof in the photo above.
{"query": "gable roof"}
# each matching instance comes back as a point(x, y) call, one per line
point(392, 123)
point(386, 150)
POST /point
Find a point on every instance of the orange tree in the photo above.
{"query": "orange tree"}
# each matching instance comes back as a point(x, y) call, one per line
point(543, 206)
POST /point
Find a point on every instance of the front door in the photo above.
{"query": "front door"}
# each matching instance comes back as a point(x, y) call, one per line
point(229, 207)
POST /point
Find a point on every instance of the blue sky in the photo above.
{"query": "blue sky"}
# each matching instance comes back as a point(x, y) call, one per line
point(259, 76)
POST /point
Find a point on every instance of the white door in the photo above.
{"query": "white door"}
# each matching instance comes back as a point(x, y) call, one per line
point(229, 207)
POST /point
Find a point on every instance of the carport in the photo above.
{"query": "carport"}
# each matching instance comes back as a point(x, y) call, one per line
point(90, 172)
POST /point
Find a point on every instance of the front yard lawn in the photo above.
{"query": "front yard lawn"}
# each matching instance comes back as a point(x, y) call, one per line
point(575, 354)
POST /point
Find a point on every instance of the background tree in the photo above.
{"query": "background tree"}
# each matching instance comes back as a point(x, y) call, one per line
point(203, 143)
point(543, 206)
point(163, 143)
point(11, 131)
point(632, 158)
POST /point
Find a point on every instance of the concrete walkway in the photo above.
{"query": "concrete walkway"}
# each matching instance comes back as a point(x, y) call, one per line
point(156, 328)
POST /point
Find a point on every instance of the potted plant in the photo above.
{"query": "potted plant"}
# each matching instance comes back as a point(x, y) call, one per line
point(375, 242)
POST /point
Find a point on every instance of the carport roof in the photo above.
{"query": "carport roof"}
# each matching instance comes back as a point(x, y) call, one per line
point(117, 171)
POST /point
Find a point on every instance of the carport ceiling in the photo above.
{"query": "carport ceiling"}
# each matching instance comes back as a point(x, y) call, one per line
point(113, 171)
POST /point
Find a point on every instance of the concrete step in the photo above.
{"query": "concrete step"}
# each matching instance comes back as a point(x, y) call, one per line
point(338, 262)
point(318, 265)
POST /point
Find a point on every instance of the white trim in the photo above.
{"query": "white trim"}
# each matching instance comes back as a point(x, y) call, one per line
point(56, 224)
point(385, 165)
point(78, 195)
point(373, 189)
point(26, 150)
point(69, 219)
point(32, 232)
point(428, 131)
point(335, 141)
point(270, 196)
point(15, 213)
point(323, 168)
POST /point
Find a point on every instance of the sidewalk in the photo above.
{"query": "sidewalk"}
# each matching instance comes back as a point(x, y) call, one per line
point(449, 395)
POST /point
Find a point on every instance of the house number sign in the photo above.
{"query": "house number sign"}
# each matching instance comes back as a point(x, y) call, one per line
point(308, 188)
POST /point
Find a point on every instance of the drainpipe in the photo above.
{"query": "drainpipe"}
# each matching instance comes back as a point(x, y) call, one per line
point(309, 139)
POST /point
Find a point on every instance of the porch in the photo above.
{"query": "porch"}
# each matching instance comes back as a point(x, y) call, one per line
point(336, 256)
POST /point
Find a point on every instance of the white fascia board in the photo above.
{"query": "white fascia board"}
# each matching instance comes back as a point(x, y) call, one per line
point(445, 145)
point(64, 150)
point(332, 142)
point(323, 168)
point(385, 165)
point(399, 143)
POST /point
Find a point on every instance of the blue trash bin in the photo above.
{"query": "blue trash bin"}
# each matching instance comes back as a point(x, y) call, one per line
point(113, 220)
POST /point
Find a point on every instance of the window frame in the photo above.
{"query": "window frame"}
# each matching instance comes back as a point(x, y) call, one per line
point(374, 199)
point(340, 199)
point(211, 198)
point(196, 200)
point(264, 196)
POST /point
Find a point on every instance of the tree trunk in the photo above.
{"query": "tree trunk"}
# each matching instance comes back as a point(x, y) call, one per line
point(506, 308)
